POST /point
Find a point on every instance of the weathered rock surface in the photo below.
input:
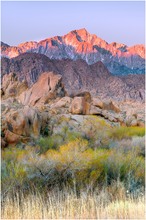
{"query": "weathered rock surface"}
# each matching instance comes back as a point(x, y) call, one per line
point(47, 87)
point(62, 103)
point(95, 110)
point(21, 124)
point(81, 104)
point(78, 105)
point(111, 106)
point(97, 102)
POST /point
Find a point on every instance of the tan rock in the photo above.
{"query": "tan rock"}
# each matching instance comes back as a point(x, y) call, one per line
point(112, 106)
point(34, 120)
point(22, 124)
point(130, 120)
point(63, 102)
point(78, 105)
point(44, 89)
point(81, 104)
point(16, 122)
point(97, 102)
point(133, 123)
point(105, 114)
point(11, 137)
point(86, 95)
point(112, 119)
point(95, 110)
point(86, 108)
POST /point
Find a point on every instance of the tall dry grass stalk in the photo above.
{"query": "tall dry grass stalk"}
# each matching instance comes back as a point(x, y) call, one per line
point(67, 205)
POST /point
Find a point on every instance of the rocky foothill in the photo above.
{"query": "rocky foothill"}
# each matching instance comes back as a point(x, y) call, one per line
point(27, 110)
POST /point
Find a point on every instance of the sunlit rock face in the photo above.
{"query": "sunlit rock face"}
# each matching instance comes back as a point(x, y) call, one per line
point(80, 44)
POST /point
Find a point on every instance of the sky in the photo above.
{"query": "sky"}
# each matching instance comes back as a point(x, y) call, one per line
point(114, 21)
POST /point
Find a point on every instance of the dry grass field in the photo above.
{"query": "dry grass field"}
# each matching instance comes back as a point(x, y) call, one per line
point(65, 205)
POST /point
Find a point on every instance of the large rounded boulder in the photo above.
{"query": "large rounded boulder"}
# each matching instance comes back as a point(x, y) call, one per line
point(23, 124)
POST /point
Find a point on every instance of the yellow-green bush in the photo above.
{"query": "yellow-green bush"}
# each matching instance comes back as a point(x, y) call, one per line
point(126, 132)
point(13, 176)
point(78, 159)
point(119, 165)
point(56, 140)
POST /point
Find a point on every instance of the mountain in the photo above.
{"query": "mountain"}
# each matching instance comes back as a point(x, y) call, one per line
point(77, 76)
point(80, 44)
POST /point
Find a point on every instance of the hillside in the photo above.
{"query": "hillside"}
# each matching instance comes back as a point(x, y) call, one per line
point(77, 76)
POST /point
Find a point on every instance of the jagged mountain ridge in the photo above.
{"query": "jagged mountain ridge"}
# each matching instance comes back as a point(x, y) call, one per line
point(80, 44)
point(77, 76)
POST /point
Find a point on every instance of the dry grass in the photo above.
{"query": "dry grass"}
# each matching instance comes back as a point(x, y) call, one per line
point(63, 205)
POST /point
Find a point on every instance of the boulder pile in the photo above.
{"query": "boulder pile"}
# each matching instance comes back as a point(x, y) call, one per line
point(26, 111)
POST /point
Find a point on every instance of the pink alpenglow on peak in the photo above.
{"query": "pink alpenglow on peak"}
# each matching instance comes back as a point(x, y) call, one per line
point(80, 44)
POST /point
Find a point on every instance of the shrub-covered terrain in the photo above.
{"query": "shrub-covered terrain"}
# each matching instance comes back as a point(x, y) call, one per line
point(98, 160)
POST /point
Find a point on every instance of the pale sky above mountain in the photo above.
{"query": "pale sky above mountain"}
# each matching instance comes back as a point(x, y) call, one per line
point(122, 22)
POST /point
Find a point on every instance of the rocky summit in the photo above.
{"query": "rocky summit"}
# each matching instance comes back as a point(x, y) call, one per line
point(80, 44)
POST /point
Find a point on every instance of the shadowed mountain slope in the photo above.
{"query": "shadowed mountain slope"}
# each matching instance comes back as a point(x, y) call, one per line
point(77, 76)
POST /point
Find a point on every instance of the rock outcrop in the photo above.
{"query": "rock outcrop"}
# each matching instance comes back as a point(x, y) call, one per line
point(81, 103)
point(79, 106)
point(97, 102)
point(22, 114)
point(21, 124)
point(26, 111)
point(62, 103)
point(111, 106)
point(48, 87)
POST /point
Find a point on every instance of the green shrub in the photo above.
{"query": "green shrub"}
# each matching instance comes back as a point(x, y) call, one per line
point(68, 135)
point(13, 176)
point(120, 133)
point(118, 166)
point(46, 143)
point(78, 159)
point(56, 140)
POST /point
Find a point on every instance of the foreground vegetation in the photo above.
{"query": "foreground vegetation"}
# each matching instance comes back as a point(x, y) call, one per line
point(96, 173)
point(67, 205)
